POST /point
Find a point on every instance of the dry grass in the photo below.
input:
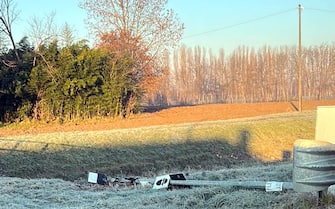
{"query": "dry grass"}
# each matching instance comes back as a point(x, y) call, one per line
point(148, 150)
point(192, 148)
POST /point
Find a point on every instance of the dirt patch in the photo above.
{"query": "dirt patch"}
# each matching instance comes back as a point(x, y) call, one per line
point(173, 115)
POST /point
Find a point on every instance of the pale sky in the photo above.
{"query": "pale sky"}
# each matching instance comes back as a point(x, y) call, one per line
point(214, 24)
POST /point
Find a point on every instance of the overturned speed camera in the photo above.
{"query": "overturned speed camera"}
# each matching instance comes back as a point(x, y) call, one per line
point(164, 181)
point(97, 178)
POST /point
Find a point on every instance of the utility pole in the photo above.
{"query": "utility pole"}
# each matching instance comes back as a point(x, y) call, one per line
point(300, 63)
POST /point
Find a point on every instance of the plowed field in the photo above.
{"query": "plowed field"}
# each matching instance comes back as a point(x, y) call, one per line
point(173, 115)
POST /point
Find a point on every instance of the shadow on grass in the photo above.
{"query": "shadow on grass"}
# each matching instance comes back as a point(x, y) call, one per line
point(73, 162)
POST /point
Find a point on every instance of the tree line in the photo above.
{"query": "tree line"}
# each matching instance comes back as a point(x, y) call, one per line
point(267, 74)
point(56, 78)
point(130, 65)
point(76, 81)
point(66, 83)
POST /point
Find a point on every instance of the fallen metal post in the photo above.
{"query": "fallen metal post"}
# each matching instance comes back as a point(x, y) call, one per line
point(178, 180)
point(266, 185)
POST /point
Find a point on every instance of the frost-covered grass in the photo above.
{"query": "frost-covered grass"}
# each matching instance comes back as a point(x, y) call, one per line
point(16, 193)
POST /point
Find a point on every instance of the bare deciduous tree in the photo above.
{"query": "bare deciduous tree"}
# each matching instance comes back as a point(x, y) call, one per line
point(246, 75)
point(43, 31)
point(8, 15)
point(148, 19)
point(142, 29)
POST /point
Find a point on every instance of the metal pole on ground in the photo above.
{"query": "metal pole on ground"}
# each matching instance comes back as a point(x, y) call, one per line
point(266, 185)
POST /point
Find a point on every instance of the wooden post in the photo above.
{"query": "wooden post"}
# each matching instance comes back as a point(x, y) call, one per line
point(300, 62)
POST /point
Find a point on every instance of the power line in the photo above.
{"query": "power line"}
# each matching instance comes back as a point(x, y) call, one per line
point(241, 23)
point(321, 10)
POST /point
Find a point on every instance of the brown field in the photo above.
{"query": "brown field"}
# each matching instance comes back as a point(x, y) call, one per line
point(173, 115)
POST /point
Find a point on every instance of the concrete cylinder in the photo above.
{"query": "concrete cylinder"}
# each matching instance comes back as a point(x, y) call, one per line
point(313, 165)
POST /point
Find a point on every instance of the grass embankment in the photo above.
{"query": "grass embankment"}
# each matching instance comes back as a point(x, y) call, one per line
point(151, 150)
point(58, 194)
